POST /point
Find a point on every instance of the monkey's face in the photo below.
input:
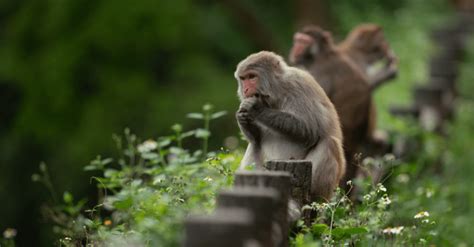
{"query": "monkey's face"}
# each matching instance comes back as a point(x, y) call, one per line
point(304, 48)
point(249, 83)
point(303, 45)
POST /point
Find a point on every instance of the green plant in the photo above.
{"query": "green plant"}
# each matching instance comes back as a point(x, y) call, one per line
point(146, 191)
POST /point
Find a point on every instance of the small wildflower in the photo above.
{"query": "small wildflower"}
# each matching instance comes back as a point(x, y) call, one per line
point(107, 222)
point(147, 146)
point(393, 230)
point(349, 183)
point(429, 193)
point(389, 157)
point(421, 214)
point(385, 200)
point(380, 188)
point(208, 179)
point(68, 239)
point(9, 233)
point(367, 197)
point(425, 221)
point(321, 206)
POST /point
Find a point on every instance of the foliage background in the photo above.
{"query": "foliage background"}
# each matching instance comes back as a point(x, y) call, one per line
point(73, 72)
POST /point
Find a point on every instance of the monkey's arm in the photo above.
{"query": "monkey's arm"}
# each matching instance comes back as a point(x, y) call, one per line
point(386, 74)
point(289, 125)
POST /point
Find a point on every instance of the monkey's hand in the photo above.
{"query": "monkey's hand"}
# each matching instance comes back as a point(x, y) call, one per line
point(248, 111)
point(388, 73)
point(251, 107)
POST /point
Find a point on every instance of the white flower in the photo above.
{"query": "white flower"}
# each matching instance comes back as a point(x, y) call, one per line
point(9, 233)
point(385, 200)
point(367, 197)
point(429, 193)
point(208, 179)
point(421, 214)
point(382, 188)
point(393, 230)
point(147, 146)
point(389, 157)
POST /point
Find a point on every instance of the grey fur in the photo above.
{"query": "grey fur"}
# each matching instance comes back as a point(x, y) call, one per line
point(290, 118)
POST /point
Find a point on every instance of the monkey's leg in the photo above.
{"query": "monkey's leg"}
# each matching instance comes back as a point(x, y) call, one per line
point(252, 156)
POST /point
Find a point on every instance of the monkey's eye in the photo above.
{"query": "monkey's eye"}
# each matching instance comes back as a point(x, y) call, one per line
point(241, 78)
point(252, 76)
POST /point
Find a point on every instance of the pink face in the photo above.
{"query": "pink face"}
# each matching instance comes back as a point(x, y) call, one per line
point(301, 42)
point(249, 82)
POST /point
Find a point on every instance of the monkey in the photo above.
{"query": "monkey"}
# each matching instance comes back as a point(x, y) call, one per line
point(366, 46)
point(345, 84)
point(285, 114)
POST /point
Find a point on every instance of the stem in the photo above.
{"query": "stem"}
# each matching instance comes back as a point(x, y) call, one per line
point(162, 157)
point(49, 185)
point(205, 139)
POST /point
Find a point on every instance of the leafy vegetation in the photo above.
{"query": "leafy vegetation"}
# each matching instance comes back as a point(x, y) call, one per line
point(86, 83)
point(143, 197)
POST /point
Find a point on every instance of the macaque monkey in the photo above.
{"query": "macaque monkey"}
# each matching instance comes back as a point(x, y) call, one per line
point(366, 46)
point(344, 83)
point(285, 114)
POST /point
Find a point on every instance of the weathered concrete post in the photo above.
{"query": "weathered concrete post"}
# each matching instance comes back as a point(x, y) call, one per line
point(280, 181)
point(430, 102)
point(230, 227)
point(301, 173)
point(262, 202)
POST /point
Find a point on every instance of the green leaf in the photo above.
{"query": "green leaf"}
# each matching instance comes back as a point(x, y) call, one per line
point(218, 114)
point(123, 204)
point(135, 183)
point(164, 142)
point(110, 173)
point(107, 161)
point(345, 233)
point(67, 197)
point(150, 156)
point(202, 133)
point(188, 134)
point(318, 229)
point(356, 230)
point(177, 127)
point(43, 167)
point(35, 177)
point(195, 115)
point(90, 168)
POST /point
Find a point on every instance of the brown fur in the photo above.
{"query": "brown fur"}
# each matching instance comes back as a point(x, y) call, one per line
point(366, 45)
point(346, 86)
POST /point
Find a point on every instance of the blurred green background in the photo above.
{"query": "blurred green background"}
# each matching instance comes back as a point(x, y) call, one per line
point(74, 72)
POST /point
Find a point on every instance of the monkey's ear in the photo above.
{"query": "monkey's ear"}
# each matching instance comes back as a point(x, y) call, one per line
point(276, 64)
point(377, 29)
